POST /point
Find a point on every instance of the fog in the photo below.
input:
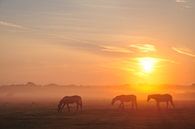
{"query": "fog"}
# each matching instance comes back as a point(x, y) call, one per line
point(31, 92)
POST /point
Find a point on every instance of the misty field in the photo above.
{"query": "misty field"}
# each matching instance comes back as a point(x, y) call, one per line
point(95, 116)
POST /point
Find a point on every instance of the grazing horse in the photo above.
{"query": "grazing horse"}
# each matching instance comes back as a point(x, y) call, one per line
point(161, 98)
point(125, 98)
point(70, 100)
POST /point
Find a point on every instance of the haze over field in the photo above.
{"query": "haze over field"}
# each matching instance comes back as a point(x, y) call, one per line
point(31, 92)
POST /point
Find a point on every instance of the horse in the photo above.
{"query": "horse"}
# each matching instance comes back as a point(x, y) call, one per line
point(66, 100)
point(125, 98)
point(161, 98)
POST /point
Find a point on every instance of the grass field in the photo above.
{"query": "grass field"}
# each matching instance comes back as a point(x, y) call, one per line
point(94, 116)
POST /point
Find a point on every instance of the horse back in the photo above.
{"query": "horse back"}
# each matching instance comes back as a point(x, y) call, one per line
point(127, 98)
point(72, 99)
point(168, 96)
point(165, 97)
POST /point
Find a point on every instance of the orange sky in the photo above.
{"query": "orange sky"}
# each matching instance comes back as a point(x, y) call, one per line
point(96, 42)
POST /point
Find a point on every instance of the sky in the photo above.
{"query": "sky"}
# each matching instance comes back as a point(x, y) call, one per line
point(97, 41)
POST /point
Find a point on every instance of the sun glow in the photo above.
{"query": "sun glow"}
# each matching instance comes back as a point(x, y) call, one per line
point(146, 74)
point(147, 64)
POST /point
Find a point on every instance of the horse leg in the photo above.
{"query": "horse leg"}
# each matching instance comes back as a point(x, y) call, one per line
point(135, 105)
point(171, 101)
point(123, 106)
point(62, 106)
point(77, 106)
point(120, 106)
point(68, 107)
point(81, 106)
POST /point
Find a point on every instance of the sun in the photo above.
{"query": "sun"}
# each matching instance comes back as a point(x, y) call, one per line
point(147, 64)
point(146, 74)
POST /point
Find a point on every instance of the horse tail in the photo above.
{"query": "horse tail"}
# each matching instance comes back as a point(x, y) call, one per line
point(171, 101)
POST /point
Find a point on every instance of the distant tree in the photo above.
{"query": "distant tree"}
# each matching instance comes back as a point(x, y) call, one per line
point(30, 84)
point(52, 84)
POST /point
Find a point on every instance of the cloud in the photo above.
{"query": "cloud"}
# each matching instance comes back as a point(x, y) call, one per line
point(144, 47)
point(184, 51)
point(115, 49)
point(181, 1)
point(13, 25)
point(89, 46)
point(184, 3)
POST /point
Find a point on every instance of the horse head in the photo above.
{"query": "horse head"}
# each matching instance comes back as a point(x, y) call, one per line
point(149, 97)
point(114, 100)
point(59, 106)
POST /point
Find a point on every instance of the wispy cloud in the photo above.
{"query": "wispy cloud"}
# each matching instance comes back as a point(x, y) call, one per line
point(184, 51)
point(144, 47)
point(181, 1)
point(13, 25)
point(115, 49)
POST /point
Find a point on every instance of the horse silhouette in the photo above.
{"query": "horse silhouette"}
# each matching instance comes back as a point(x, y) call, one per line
point(161, 98)
point(125, 98)
point(67, 100)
